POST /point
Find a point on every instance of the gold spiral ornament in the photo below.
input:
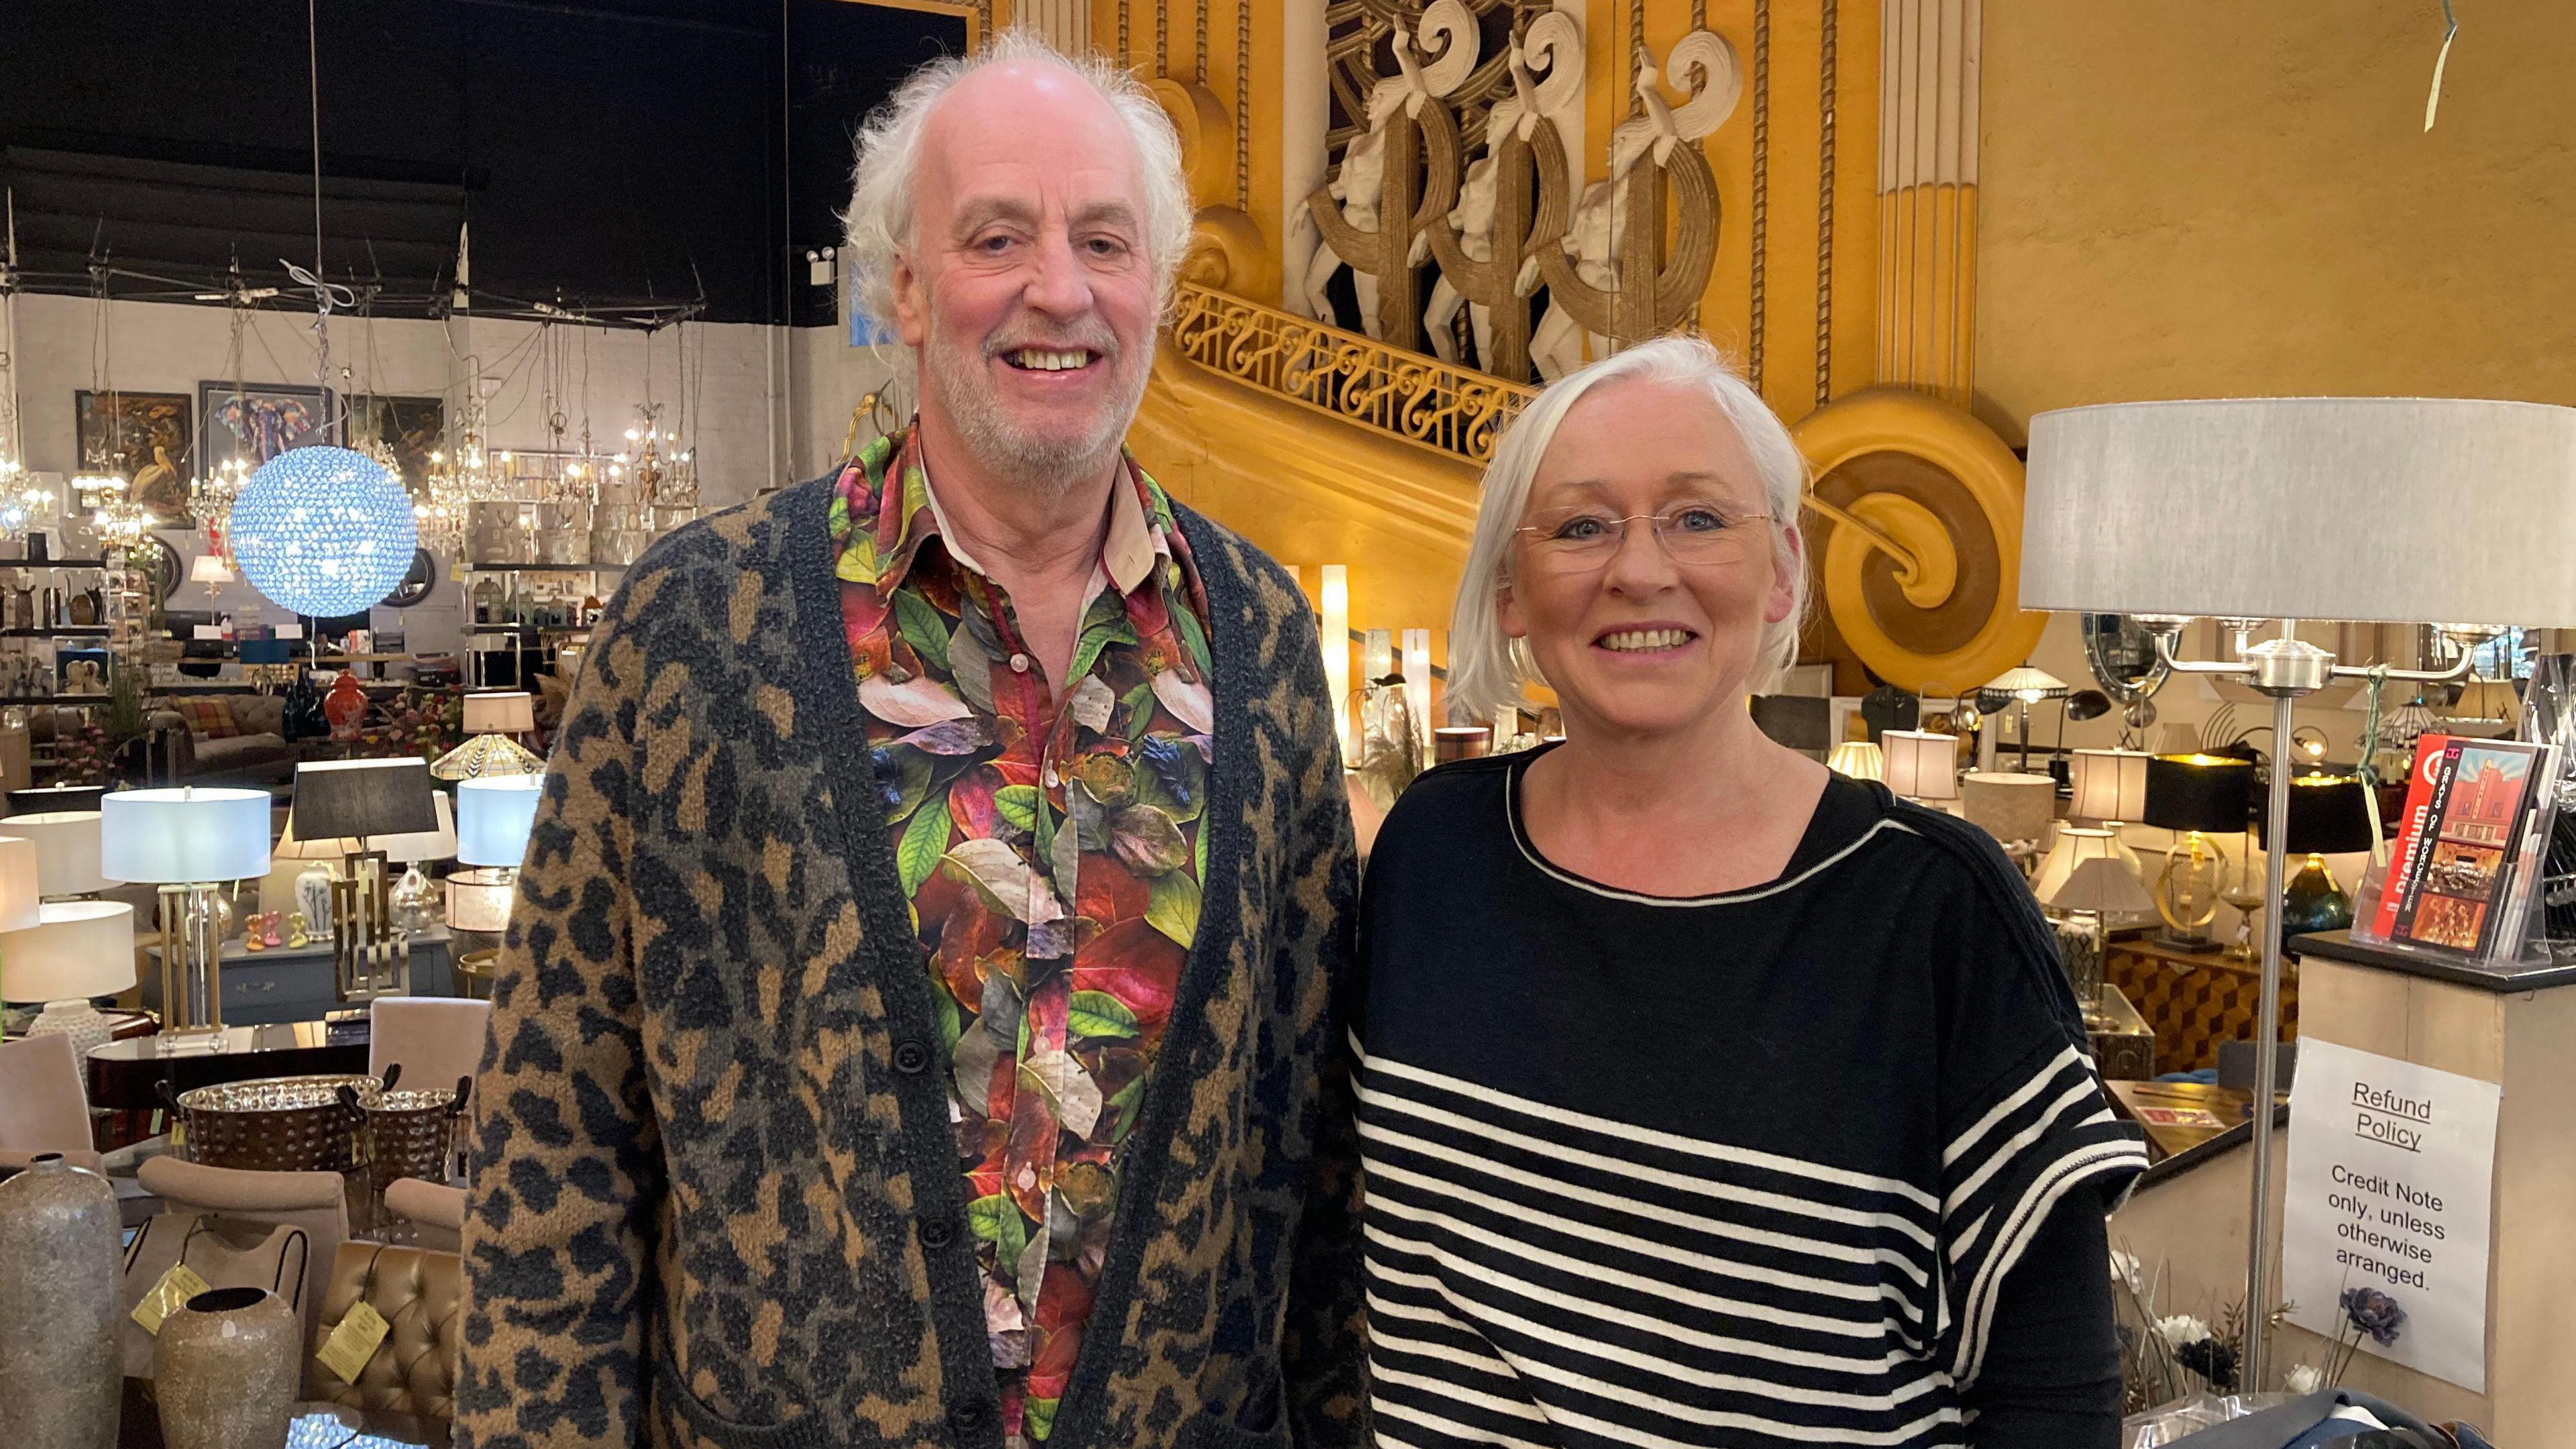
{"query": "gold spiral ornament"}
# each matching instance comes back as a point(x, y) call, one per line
point(1914, 538)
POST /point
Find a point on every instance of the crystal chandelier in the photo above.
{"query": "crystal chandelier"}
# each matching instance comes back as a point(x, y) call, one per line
point(121, 522)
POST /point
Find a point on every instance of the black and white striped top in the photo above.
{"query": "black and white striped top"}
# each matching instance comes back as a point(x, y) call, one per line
point(1740, 1170)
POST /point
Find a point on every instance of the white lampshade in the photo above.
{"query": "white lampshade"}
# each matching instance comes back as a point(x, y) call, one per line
point(500, 713)
point(67, 852)
point(1920, 766)
point(2063, 882)
point(209, 568)
point(494, 816)
point(479, 900)
point(18, 877)
point(2111, 889)
point(439, 844)
point(2028, 684)
point(76, 949)
point(2408, 510)
point(1859, 759)
point(184, 836)
point(2109, 785)
point(2007, 806)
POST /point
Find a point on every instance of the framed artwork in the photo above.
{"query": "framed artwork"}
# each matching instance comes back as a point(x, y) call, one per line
point(410, 426)
point(261, 420)
point(147, 437)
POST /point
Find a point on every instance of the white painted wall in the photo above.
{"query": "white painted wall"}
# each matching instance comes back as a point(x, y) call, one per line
point(163, 347)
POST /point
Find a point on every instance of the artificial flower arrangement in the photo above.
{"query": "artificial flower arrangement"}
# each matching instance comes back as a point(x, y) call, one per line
point(2185, 1359)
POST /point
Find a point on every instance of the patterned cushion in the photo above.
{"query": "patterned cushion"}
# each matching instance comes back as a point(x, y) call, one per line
point(210, 716)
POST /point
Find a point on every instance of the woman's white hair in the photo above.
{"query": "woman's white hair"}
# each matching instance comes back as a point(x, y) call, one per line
point(879, 221)
point(1487, 668)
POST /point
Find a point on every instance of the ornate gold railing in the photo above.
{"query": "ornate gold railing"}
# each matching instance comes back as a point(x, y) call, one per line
point(1422, 400)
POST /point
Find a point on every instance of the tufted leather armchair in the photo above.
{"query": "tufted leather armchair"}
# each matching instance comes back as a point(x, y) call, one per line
point(420, 1293)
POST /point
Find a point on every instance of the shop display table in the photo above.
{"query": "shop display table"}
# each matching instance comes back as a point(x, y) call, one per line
point(294, 983)
point(2195, 1000)
point(122, 1074)
point(2179, 1116)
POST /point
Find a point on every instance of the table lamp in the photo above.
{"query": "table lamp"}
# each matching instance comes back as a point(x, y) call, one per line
point(186, 841)
point(494, 818)
point(2013, 808)
point(1859, 759)
point(2195, 796)
point(2024, 686)
point(213, 570)
point(2085, 871)
point(2328, 816)
point(73, 951)
point(493, 721)
point(2396, 510)
point(1919, 765)
point(414, 898)
point(18, 888)
point(54, 799)
point(67, 851)
point(359, 803)
point(2109, 788)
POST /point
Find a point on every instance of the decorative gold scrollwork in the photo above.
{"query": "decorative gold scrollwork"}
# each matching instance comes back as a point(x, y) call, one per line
point(1344, 375)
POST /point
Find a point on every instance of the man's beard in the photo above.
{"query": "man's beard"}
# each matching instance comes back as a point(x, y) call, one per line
point(958, 379)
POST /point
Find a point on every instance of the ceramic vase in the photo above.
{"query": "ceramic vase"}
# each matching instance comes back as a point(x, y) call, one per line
point(59, 1246)
point(224, 1371)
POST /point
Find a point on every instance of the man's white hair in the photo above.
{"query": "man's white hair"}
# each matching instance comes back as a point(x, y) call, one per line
point(879, 222)
point(1487, 668)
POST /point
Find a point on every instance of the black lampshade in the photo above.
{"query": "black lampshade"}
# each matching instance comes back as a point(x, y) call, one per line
point(340, 799)
point(2208, 793)
point(2328, 816)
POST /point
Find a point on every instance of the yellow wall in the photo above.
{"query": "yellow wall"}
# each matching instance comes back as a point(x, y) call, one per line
point(2240, 200)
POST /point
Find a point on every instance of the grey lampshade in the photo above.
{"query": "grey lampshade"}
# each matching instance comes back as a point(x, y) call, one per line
point(347, 798)
point(2421, 510)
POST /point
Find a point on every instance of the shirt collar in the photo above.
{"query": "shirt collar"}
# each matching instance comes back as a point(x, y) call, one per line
point(1127, 553)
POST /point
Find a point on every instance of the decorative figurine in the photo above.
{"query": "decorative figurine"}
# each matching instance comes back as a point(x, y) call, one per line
point(275, 934)
point(296, 934)
point(252, 938)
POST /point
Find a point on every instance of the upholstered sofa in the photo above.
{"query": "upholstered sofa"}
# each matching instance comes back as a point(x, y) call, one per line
point(224, 739)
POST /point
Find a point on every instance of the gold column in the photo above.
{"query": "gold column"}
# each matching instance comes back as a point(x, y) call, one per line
point(1927, 188)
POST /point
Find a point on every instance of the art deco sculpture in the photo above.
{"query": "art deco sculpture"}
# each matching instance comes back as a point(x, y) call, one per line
point(1371, 216)
point(1611, 276)
point(1513, 178)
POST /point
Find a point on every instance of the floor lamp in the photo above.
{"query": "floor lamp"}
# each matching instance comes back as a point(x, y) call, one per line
point(2387, 510)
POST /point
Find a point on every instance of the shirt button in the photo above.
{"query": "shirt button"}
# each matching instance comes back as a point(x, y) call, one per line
point(911, 1058)
point(1019, 664)
point(1048, 775)
point(937, 1233)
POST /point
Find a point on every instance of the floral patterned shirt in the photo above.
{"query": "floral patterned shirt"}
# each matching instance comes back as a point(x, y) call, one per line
point(1048, 840)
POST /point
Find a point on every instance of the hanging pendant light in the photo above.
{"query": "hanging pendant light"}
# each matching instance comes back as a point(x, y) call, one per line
point(323, 531)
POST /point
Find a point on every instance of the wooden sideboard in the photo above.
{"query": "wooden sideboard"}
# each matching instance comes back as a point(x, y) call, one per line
point(2195, 1000)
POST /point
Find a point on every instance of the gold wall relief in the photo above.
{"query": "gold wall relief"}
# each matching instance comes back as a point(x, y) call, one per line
point(1927, 185)
point(1914, 537)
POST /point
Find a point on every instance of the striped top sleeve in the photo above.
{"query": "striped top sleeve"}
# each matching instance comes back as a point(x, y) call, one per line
point(2022, 1139)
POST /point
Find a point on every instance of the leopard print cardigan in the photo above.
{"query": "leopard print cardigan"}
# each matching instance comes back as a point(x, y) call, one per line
point(715, 1198)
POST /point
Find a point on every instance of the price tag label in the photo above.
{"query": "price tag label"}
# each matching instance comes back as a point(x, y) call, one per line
point(168, 1296)
point(354, 1342)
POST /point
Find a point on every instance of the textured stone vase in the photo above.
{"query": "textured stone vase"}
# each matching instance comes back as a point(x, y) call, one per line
point(58, 1256)
point(224, 1370)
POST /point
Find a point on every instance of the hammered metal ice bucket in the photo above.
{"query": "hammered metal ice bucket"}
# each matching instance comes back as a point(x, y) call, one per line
point(278, 1124)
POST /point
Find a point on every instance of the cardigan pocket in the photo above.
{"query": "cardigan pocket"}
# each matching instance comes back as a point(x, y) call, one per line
point(689, 1423)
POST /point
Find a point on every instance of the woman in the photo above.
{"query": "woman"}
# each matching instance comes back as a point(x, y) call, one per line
point(1708, 1098)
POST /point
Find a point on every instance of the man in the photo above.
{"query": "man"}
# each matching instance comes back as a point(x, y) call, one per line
point(917, 1025)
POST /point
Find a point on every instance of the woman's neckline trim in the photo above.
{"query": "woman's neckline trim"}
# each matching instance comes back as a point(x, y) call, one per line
point(1790, 880)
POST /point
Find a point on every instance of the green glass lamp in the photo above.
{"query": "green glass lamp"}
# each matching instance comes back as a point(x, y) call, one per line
point(2328, 816)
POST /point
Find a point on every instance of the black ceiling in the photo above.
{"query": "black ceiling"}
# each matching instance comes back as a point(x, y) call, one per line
point(604, 153)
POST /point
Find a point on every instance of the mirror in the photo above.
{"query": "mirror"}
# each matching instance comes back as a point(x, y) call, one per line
point(2123, 658)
